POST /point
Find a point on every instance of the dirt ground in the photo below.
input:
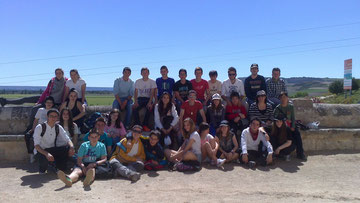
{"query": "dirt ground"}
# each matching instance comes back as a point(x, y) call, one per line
point(325, 177)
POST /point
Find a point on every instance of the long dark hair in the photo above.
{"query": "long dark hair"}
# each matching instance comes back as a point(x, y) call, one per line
point(71, 126)
point(164, 109)
point(279, 133)
point(118, 120)
point(216, 108)
point(229, 135)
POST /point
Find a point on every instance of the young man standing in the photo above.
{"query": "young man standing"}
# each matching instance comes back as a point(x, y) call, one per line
point(254, 83)
point(250, 141)
point(191, 108)
point(214, 84)
point(164, 83)
point(274, 87)
point(144, 94)
point(46, 140)
point(182, 88)
point(123, 92)
point(232, 85)
point(201, 86)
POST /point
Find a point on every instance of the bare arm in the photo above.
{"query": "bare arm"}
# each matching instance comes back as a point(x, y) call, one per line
point(81, 107)
point(83, 89)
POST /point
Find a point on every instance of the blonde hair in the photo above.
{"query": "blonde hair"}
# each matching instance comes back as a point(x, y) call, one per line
point(187, 134)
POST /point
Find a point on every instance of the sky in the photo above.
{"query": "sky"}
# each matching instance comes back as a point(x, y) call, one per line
point(99, 38)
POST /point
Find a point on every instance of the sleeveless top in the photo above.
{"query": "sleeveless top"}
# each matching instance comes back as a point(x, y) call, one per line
point(75, 110)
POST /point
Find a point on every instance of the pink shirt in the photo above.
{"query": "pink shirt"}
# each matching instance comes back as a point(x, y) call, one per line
point(115, 132)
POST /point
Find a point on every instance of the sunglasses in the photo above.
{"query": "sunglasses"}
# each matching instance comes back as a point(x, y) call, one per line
point(231, 74)
point(137, 131)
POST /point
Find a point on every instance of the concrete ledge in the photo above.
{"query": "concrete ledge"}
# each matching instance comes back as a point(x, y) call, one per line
point(12, 147)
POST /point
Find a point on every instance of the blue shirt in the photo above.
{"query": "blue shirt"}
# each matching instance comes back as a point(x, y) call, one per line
point(89, 153)
point(164, 85)
point(103, 139)
point(123, 88)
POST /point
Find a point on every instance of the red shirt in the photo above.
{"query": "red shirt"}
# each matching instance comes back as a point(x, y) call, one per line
point(233, 111)
point(191, 111)
point(200, 88)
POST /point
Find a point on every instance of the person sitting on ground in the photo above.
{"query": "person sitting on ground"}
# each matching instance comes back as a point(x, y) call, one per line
point(164, 83)
point(123, 92)
point(40, 117)
point(76, 107)
point(287, 110)
point(262, 110)
point(77, 83)
point(71, 129)
point(236, 114)
point(181, 89)
point(114, 127)
point(228, 144)
point(274, 86)
point(155, 158)
point(145, 89)
point(191, 108)
point(254, 83)
point(104, 137)
point(214, 84)
point(252, 150)
point(91, 154)
point(190, 150)
point(129, 156)
point(233, 85)
point(45, 141)
point(281, 138)
point(201, 87)
point(166, 121)
point(209, 146)
point(215, 113)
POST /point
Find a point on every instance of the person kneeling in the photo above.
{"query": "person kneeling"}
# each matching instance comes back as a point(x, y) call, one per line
point(91, 154)
point(128, 158)
point(251, 148)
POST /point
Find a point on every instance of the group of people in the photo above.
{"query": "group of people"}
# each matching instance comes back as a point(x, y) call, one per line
point(194, 121)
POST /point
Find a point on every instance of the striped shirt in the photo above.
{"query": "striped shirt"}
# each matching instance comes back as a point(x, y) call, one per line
point(263, 115)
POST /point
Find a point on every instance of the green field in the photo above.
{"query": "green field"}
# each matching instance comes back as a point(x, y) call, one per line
point(92, 99)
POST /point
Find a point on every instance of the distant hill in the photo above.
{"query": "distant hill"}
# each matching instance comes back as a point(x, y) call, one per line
point(42, 88)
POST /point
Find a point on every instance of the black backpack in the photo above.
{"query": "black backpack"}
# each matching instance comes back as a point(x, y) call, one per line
point(29, 138)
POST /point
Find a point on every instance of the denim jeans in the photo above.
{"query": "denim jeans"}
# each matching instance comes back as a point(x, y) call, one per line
point(128, 109)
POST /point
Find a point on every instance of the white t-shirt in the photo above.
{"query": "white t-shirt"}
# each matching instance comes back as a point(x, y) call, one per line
point(48, 140)
point(144, 87)
point(207, 139)
point(228, 88)
point(134, 150)
point(41, 114)
point(196, 146)
point(214, 87)
point(70, 83)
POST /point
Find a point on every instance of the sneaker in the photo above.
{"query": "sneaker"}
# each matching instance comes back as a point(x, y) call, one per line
point(32, 158)
point(220, 162)
point(302, 157)
point(64, 178)
point(134, 176)
point(252, 164)
point(89, 178)
point(287, 158)
point(146, 129)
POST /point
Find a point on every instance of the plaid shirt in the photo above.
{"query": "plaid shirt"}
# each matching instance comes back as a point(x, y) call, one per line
point(275, 87)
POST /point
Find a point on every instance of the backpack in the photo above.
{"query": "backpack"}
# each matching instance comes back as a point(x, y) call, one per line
point(90, 121)
point(29, 137)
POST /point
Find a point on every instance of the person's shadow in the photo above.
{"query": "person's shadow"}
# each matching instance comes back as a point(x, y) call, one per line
point(37, 180)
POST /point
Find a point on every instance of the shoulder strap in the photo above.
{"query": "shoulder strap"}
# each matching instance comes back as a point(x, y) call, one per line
point(43, 129)
point(56, 133)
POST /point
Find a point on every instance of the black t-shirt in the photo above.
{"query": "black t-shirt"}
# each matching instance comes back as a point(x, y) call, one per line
point(183, 89)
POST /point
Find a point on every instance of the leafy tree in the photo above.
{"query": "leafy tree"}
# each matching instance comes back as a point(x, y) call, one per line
point(336, 87)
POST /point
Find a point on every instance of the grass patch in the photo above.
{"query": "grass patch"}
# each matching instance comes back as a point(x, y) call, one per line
point(340, 99)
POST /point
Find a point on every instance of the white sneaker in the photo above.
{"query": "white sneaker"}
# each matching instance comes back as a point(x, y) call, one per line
point(32, 158)
point(220, 162)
